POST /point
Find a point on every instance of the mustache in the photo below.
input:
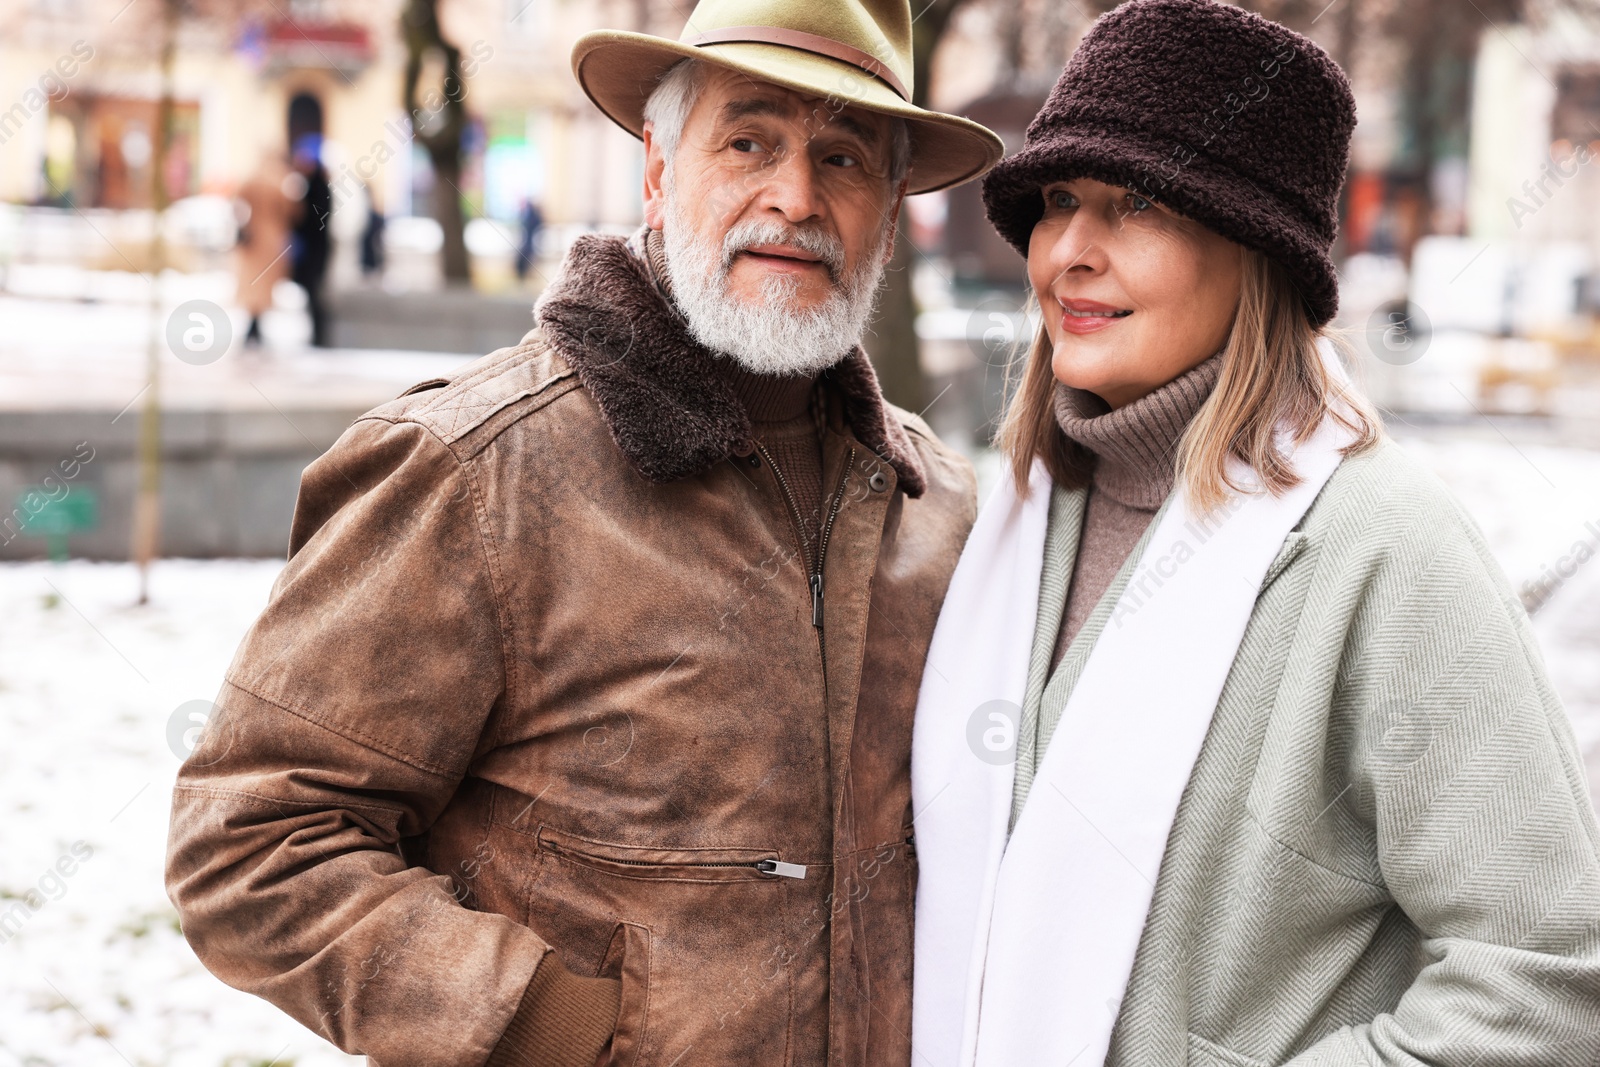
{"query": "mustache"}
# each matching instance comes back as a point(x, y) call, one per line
point(753, 232)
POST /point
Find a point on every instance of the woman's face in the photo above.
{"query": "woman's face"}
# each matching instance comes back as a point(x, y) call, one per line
point(1133, 295)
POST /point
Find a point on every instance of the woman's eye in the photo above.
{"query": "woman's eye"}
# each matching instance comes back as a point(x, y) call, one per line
point(1060, 200)
point(1139, 203)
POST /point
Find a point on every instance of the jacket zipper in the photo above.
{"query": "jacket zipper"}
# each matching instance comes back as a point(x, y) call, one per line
point(814, 568)
point(776, 867)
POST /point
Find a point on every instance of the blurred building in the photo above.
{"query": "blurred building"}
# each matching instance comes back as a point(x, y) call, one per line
point(79, 87)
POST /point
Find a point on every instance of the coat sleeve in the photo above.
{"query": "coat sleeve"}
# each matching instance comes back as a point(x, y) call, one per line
point(347, 718)
point(1470, 777)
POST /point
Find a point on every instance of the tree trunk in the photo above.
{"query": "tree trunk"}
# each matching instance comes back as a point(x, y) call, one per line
point(146, 534)
point(447, 211)
point(893, 345)
point(892, 341)
point(419, 28)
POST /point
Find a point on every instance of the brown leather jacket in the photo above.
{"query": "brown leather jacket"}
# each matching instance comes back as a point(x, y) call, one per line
point(541, 676)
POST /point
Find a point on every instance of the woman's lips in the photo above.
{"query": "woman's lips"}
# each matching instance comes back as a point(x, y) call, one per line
point(1089, 316)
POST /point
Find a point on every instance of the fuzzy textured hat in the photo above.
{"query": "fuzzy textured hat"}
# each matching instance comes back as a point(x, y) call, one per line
point(1224, 116)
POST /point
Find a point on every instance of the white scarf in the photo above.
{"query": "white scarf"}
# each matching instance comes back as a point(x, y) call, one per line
point(1036, 936)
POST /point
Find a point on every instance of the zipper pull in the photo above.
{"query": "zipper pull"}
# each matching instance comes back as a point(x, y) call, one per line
point(816, 601)
point(787, 870)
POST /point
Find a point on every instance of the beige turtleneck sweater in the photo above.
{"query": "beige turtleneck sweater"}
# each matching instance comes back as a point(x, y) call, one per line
point(1135, 450)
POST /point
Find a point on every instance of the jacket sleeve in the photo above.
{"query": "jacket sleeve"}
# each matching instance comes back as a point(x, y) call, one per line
point(345, 723)
point(1470, 776)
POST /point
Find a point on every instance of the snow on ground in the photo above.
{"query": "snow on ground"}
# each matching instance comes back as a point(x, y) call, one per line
point(89, 684)
point(99, 975)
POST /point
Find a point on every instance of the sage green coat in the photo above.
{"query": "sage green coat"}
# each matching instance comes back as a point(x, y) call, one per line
point(1386, 852)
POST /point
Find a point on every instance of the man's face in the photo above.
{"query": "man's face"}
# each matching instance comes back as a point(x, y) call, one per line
point(812, 176)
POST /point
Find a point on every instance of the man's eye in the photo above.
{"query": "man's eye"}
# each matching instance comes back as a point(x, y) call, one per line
point(840, 160)
point(745, 144)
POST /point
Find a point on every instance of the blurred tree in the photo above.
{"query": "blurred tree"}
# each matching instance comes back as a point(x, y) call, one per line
point(892, 341)
point(156, 31)
point(438, 120)
point(146, 527)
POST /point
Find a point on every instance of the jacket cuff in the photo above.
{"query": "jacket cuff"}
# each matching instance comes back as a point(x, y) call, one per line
point(564, 1020)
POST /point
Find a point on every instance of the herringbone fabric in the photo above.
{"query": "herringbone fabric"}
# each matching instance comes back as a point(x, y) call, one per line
point(1386, 853)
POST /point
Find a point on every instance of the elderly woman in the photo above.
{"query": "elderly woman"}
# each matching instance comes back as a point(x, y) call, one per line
point(1234, 745)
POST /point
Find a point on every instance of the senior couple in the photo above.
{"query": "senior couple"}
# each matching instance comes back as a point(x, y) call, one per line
point(653, 693)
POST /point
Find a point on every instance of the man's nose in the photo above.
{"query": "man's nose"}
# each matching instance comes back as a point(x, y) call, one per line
point(790, 187)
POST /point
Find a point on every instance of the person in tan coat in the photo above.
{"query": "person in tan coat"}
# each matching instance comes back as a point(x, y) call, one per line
point(262, 253)
point(577, 728)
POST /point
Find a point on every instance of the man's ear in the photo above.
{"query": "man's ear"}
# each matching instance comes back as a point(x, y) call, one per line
point(894, 219)
point(655, 165)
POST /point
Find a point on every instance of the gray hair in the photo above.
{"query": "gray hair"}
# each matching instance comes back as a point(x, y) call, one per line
point(669, 104)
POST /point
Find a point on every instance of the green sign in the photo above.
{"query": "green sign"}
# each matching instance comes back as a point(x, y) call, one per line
point(53, 519)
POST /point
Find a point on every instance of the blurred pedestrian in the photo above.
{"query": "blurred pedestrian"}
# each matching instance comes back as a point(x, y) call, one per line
point(531, 220)
point(262, 251)
point(372, 234)
point(311, 237)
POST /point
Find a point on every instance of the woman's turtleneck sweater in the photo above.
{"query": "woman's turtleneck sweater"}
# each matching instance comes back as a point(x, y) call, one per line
point(782, 415)
point(1135, 450)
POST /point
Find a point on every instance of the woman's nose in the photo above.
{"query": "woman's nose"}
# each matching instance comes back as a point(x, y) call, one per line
point(1083, 243)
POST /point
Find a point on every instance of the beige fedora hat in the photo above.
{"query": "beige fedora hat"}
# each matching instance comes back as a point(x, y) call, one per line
point(854, 53)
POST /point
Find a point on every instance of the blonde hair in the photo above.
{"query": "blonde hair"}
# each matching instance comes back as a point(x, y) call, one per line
point(1271, 373)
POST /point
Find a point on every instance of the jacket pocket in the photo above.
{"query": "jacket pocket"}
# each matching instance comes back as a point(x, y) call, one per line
point(1203, 1053)
point(628, 959)
point(703, 940)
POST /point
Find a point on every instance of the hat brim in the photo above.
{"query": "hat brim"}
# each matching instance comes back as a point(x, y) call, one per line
point(1195, 186)
point(618, 70)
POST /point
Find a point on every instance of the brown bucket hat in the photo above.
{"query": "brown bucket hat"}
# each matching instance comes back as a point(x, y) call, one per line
point(1229, 118)
point(854, 53)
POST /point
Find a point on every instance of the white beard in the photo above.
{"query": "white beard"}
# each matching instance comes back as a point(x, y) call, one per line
point(770, 336)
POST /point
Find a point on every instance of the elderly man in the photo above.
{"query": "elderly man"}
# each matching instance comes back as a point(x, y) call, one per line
point(577, 727)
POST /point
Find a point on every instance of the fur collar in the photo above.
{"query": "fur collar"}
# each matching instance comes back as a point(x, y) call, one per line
point(658, 389)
